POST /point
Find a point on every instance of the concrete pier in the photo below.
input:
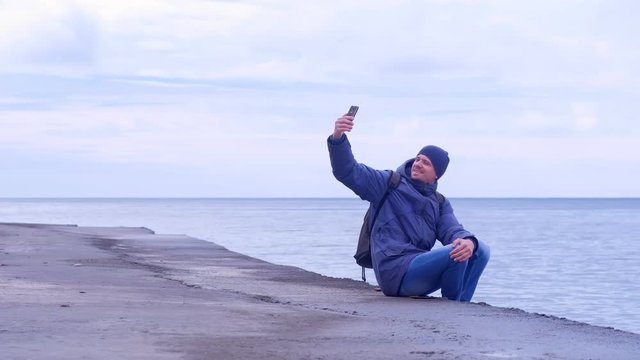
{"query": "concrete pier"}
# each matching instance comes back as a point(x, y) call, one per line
point(69, 292)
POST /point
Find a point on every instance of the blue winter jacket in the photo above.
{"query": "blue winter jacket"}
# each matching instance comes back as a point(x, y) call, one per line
point(409, 221)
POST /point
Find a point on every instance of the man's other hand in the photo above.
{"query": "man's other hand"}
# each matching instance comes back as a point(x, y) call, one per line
point(462, 250)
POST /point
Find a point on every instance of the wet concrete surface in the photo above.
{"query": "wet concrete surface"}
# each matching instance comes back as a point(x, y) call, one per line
point(70, 292)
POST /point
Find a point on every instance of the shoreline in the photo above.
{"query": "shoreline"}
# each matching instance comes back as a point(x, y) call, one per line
point(121, 292)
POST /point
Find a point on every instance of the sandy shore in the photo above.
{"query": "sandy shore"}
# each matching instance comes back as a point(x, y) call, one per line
point(70, 292)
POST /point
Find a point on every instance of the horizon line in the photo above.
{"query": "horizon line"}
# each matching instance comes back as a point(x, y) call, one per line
point(296, 197)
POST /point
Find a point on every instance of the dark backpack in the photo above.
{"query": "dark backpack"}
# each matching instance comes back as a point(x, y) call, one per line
point(363, 252)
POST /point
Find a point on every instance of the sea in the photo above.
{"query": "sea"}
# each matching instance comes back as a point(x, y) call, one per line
point(575, 258)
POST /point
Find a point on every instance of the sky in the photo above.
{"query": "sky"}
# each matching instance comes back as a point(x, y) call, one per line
point(205, 98)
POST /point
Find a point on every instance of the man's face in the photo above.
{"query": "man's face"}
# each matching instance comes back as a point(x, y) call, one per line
point(422, 170)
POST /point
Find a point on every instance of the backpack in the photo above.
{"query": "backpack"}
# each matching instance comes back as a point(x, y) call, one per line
point(363, 251)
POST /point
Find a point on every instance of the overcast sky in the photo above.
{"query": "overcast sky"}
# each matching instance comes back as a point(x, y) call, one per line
point(195, 98)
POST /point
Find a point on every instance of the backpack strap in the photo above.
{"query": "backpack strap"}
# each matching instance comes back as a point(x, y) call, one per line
point(441, 200)
point(394, 180)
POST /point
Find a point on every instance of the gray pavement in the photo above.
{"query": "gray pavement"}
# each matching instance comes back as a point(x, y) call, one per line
point(70, 292)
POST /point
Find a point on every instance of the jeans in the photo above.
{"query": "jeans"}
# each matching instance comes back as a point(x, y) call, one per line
point(435, 270)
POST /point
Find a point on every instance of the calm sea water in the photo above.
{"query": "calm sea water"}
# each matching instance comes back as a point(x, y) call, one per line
point(574, 258)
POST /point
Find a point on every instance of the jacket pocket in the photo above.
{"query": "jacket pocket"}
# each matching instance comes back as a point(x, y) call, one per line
point(394, 248)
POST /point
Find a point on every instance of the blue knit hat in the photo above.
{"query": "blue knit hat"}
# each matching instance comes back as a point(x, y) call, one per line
point(439, 158)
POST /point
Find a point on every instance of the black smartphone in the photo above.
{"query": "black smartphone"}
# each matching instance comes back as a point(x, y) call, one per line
point(353, 110)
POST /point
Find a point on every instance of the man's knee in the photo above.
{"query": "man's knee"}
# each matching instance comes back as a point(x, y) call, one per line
point(484, 251)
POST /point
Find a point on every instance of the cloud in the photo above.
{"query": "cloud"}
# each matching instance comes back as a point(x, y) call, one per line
point(162, 136)
point(330, 42)
point(584, 118)
point(229, 83)
point(46, 35)
point(579, 117)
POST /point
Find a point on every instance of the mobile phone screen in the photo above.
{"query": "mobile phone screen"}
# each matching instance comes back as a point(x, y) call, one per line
point(353, 110)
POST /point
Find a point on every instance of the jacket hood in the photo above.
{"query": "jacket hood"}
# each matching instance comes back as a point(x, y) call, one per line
point(425, 189)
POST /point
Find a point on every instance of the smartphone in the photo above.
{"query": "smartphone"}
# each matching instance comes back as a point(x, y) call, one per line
point(353, 110)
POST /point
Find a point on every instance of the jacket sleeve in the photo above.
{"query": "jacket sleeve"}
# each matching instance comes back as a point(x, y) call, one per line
point(449, 228)
point(369, 184)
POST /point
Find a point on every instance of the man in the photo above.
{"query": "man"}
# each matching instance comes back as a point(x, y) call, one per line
point(409, 222)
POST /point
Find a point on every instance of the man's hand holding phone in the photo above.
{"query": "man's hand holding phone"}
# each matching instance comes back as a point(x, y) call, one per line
point(344, 123)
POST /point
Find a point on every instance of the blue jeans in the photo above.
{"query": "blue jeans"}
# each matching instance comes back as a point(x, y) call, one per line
point(435, 270)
